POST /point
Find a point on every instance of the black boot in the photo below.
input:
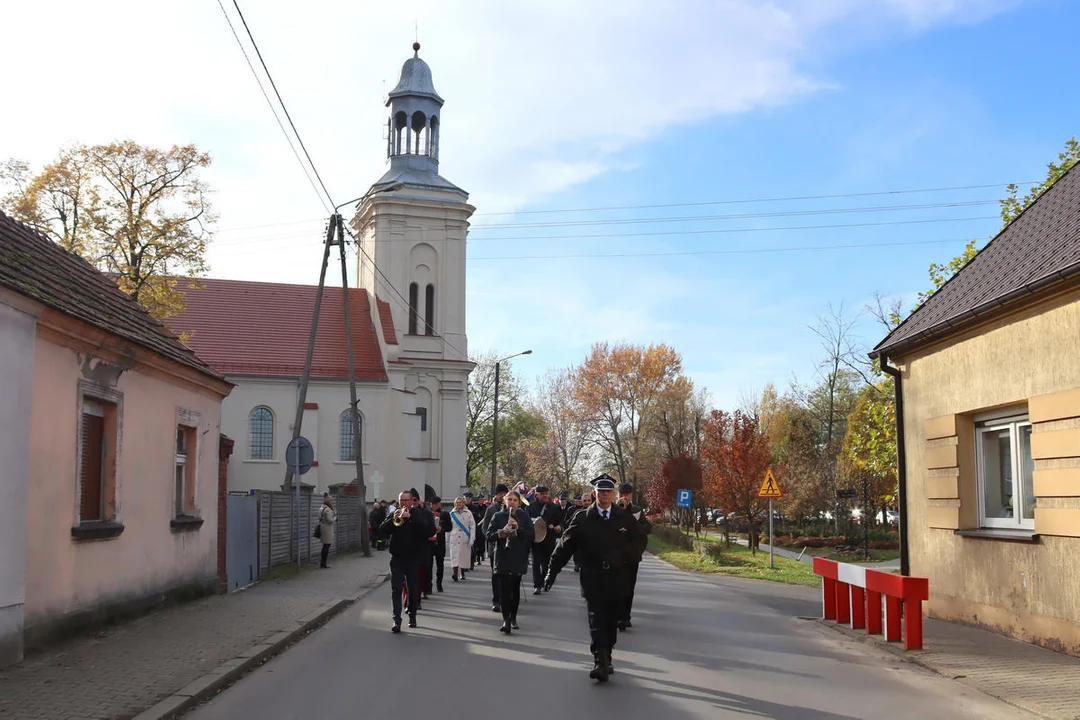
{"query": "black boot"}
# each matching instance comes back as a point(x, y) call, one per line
point(610, 667)
point(513, 622)
point(599, 670)
point(505, 627)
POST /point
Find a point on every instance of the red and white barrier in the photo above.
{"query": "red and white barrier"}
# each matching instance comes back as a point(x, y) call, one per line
point(852, 595)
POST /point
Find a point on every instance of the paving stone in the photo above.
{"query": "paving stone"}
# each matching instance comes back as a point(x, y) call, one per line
point(126, 669)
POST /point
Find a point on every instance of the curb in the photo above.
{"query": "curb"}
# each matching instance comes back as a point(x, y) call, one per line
point(916, 657)
point(230, 671)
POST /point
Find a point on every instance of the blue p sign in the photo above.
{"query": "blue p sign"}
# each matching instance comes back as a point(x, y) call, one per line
point(682, 498)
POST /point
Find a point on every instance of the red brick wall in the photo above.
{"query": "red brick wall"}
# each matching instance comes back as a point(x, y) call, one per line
point(225, 449)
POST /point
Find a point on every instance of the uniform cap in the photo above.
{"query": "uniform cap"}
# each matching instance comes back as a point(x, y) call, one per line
point(604, 482)
point(626, 489)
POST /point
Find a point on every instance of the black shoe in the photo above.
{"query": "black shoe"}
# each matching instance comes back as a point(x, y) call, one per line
point(424, 596)
point(454, 577)
point(537, 591)
point(610, 667)
point(396, 627)
point(412, 621)
point(599, 670)
point(496, 608)
point(439, 588)
point(621, 625)
point(513, 623)
point(627, 625)
point(505, 627)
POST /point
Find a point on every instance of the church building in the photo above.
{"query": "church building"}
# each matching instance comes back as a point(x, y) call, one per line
point(408, 332)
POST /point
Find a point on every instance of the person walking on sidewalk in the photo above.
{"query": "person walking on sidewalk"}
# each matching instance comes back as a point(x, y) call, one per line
point(512, 531)
point(462, 532)
point(375, 521)
point(408, 547)
point(327, 518)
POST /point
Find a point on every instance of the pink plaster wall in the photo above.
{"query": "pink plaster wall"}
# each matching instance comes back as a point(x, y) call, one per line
point(64, 575)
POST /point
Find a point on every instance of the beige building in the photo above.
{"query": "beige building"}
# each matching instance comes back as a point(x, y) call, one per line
point(110, 491)
point(989, 372)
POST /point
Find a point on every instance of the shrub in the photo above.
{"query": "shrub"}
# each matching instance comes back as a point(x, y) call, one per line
point(834, 541)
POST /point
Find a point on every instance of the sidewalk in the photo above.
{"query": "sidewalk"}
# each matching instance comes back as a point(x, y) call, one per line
point(1030, 677)
point(160, 662)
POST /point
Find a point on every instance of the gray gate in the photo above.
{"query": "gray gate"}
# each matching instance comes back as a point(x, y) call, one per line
point(242, 540)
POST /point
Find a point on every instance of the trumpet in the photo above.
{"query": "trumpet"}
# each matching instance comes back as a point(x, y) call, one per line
point(624, 503)
point(400, 516)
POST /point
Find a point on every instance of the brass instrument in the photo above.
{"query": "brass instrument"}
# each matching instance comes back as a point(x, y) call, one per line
point(624, 503)
point(399, 517)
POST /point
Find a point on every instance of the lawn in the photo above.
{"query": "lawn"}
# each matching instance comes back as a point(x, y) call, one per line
point(736, 562)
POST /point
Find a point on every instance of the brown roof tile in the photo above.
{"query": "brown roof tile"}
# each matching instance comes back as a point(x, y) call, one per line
point(386, 319)
point(257, 328)
point(35, 266)
point(1039, 249)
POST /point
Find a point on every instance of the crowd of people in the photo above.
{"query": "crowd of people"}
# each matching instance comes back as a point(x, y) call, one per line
point(604, 538)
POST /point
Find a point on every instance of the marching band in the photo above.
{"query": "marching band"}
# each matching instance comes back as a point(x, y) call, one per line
point(604, 537)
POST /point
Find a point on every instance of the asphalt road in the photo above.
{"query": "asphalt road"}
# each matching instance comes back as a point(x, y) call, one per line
point(701, 647)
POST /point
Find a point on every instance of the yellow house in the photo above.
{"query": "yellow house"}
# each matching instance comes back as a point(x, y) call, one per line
point(989, 419)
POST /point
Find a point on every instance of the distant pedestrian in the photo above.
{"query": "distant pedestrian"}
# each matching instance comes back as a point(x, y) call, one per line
point(462, 533)
point(375, 520)
point(327, 518)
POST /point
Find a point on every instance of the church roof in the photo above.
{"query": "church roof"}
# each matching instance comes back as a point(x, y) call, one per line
point(258, 328)
point(386, 319)
point(34, 266)
point(406, 177)
point(415, 79)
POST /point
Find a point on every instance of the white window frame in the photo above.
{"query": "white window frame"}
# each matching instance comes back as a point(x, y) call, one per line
point(273, 430)
point(1014, 421)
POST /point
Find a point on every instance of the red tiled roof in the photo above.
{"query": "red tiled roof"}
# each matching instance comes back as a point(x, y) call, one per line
point(1037, 250)
point(256, 328)
point(33, 265)
point(387, 319)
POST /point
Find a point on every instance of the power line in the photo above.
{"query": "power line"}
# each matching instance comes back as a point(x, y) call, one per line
point(742, 216)
point(757, 200)
point(273, 110)
point(288, 117)
point(720, 231)
point(755, 251)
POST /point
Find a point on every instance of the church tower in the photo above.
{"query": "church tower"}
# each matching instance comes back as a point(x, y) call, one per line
point(412, 226)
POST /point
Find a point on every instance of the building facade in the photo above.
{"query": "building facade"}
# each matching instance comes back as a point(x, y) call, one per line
point(408, 333)
point(112, 430)
point(990, 386)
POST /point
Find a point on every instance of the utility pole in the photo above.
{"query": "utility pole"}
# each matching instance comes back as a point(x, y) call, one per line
point(365, 545)
point(495, 434)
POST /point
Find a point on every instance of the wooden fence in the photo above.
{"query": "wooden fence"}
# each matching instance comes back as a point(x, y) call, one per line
point(277, 526)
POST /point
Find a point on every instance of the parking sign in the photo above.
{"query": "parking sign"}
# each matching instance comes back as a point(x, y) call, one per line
point(682, 498)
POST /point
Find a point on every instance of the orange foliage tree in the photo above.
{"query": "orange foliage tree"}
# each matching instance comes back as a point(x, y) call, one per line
point(681, 472)
point(735, 454)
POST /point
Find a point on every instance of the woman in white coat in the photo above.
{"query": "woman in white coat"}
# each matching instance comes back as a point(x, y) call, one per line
point(462, 535)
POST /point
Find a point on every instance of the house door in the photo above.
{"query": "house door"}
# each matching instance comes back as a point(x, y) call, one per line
point(241, 540)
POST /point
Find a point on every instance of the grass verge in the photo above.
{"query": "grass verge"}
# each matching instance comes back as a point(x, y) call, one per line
point(736, 561)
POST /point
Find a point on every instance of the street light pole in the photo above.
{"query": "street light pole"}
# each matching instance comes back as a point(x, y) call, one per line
point(495, 422)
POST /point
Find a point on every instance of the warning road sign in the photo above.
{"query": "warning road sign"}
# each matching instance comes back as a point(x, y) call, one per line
point(769, 488)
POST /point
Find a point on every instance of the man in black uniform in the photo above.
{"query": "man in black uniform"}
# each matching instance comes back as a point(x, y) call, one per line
point(541, 551)
point(408, 545)
point(422, 515)
point(606, 539)
point(495, 506)
point(476, 507)
point(438, 546)
point(626, 501)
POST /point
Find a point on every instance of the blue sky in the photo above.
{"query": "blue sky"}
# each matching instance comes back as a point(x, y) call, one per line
point(557, 105)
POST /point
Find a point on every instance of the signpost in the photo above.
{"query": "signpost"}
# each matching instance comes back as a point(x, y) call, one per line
point(299, 456)
point(769, 489)
point(683, 497)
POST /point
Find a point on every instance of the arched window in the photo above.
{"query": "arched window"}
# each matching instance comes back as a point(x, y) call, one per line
point(433, 138)
point(419, 125)
point(414, 307)
point(261, 434)
point(401, 124)
point(429, 310)
point(346, 446)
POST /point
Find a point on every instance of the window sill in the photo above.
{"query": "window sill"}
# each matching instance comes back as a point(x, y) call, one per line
point(350, 462)
point(261, 462)
point(1023, 536)
point(185, 523)
point(97, 530)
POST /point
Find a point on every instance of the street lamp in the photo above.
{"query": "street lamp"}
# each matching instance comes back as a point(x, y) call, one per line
point(495, 422)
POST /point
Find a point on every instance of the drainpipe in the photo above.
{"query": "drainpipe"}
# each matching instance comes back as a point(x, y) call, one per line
point(901, 463)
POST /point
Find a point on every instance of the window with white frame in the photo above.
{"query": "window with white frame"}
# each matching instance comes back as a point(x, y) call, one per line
point(261, 434)
point(346, 446)
point(1005, 468)
point(184, 472)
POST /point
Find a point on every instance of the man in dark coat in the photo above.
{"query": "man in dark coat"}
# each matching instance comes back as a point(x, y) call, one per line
point(552, 515)
point(626, 500)
point(436, 567)
point(408, 546)
point(605, 538)
point(479, 542)
point(375, 520)
point(495, 506)
point(423, 515)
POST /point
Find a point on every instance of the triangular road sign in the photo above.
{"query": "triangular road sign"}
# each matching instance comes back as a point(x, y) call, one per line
point(769, 488)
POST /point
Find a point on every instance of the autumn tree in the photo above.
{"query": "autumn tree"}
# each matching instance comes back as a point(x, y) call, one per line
point(798, 461)
point(868, 457)
point(139, 213)
point(559, 458)
point(675, 427)
point(619, 388)
point(682, 472)
point(735, 455)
